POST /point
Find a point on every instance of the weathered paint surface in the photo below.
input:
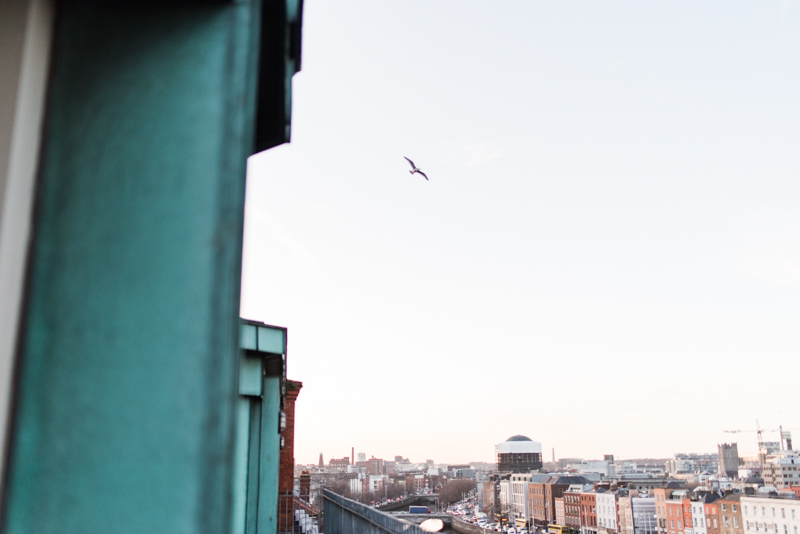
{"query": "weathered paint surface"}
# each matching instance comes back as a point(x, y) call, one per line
point(126, 412)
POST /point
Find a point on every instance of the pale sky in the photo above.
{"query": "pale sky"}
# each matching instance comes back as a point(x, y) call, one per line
point(607, 255)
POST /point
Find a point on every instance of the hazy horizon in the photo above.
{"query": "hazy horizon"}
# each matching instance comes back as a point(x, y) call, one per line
point(606, 257)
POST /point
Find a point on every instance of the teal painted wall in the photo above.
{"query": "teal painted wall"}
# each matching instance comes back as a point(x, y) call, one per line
point(262, 380)
point(270, 457)
point(126, 407)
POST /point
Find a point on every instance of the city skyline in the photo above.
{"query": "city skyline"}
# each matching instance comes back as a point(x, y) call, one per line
point(547, 457)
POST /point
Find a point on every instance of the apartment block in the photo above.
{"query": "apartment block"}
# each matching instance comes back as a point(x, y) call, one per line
point(561, 518)
point(542, 496)
point(730, 511)
point(711, 511)
point(661, 495)
point(589, 511)
point(693, 463)
point(767, 515)
point(607, 520)
point(782, 470)
point(572, 508)
point(375, 466)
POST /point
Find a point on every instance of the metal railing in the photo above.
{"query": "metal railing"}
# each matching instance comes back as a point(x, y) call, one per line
point(286, 507)
point(290, 504)
point(343, 516)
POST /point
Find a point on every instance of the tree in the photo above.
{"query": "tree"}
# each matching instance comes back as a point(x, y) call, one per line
point(341, 487)
point(394, 490)
point(454, 489)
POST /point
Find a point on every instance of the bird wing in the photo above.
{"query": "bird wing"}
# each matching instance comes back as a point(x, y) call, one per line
point(411, 162)
point(423, 174)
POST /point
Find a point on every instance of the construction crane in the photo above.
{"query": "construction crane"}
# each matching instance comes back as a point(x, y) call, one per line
point(760, 431)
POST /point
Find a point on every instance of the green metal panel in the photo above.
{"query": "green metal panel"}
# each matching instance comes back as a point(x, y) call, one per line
point(248, 337)
point(240, 477)
point(125, 412)
point(251, 371)
point(262, 379)
point(254, 467)
point(270, 457)
point(272, 340)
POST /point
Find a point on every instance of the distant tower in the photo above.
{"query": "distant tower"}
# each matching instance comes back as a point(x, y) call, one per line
point(554, 455)
point(728, 454)
point(353, 455)
point(321, 463)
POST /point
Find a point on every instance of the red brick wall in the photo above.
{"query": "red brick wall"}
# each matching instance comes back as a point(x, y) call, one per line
point(536, 503)
point(675, 517)
point(687, 513)
point(286, 472)
point(589, 511)
point(572, 507)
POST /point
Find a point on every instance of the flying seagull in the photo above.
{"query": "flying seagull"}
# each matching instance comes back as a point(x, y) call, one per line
point(415, 169)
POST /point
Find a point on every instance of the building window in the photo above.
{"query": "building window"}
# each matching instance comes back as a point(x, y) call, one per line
point(723, 508)
point(735, 522)
point(745, 509)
